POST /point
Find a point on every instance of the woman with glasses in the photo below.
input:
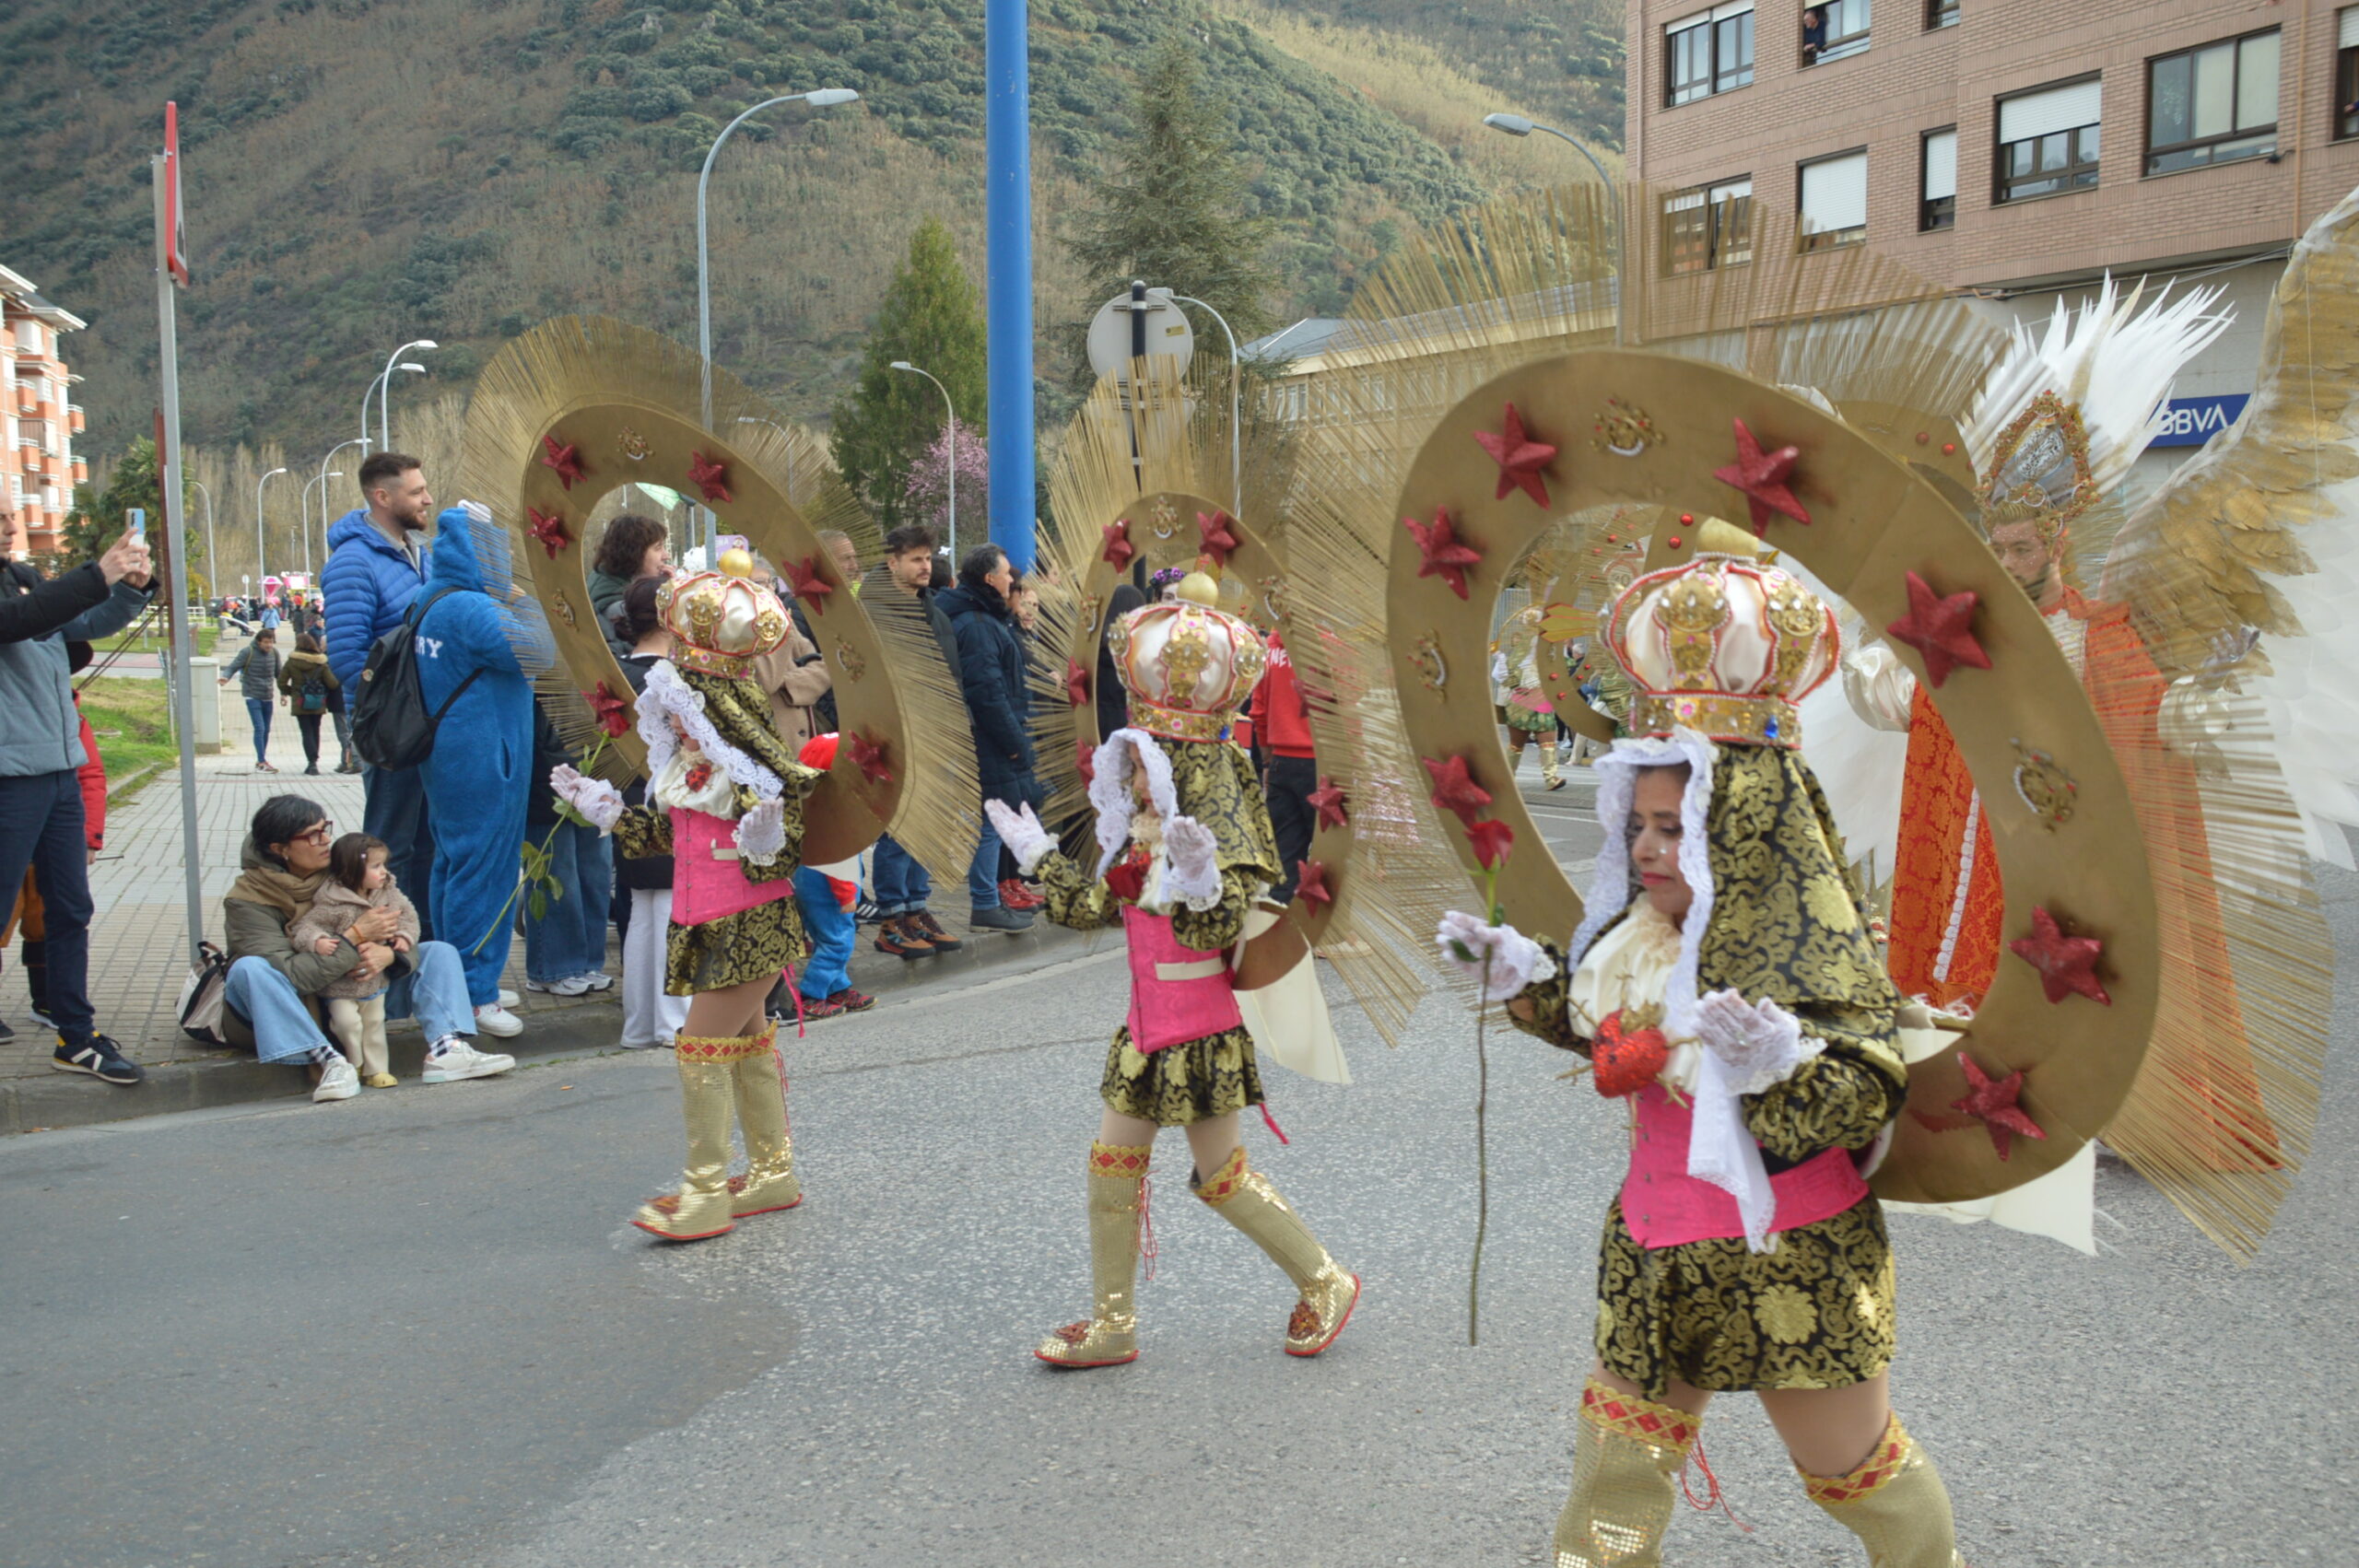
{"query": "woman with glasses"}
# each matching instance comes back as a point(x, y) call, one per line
point(268, 999)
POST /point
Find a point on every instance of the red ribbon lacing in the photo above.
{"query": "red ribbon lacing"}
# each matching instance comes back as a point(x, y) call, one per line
point(1146, 1226)
point(795, 990)
point(1272, 1122)
point(1713, 1497)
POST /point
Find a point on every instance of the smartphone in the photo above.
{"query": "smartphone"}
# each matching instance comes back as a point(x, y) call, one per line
point(138, 517)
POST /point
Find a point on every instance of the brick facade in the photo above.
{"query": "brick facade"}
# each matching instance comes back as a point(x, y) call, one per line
point(38, 422)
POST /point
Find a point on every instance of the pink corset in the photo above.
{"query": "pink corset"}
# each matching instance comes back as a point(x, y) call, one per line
point(1664, 1206)
point(1176, 993)
point(706, 887)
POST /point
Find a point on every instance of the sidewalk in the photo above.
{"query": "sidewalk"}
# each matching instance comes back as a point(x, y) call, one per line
point(138, 952)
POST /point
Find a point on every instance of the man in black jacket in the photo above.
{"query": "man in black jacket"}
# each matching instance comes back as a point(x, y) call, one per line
point(41, 796)
point(991, 669)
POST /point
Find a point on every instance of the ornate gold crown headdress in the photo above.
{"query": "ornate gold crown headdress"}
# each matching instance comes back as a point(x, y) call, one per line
point(1724, 646)
point(1187, 664)
point(723, 620)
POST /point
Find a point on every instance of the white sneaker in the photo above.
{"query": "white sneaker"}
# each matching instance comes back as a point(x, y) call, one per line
point(508, 998)
point(495, 1019)
point(573, 985)
point(596, 980)
point(337, 1082)
point(460, 1059)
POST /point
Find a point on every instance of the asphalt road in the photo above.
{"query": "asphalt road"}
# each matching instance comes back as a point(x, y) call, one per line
point(413, 1329)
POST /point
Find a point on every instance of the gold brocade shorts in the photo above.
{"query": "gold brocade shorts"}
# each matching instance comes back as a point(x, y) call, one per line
point(1183, 1083)
point(1817, 1312)
point(749, 945)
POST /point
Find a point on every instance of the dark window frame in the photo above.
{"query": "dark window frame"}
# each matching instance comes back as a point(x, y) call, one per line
point(1940, 13)
point(1722, 229)
point(2077, 173)
point(1936, 213)
point(1812, 241)
point(1834, 45)
point(2346, 85)
point(1718, 75)
point(2151, 155)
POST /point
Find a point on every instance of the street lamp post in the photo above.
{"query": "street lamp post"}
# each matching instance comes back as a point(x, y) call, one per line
point(821, 97)
point(1522, 125)
point(260, 571)
point(384, 374)
point(385, 401)
point(1236, 431)
point(318, 484)
point(362, 442)
point(951, 467)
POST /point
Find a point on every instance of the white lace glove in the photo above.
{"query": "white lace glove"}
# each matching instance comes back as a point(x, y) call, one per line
point(1758, 1044)
point(1021, 831)
point(1194, 877)
point(1515, 960)
point(761, 833)
point(600, 802)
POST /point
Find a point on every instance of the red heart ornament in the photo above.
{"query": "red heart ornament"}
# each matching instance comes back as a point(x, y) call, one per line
point(1627, 1062)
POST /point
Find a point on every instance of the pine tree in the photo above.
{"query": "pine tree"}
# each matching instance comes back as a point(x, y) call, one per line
point(99, 517)
point(1175, 211)
point(930, 318)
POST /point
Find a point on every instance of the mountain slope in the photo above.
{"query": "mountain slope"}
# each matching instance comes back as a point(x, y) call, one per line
point(365, 171)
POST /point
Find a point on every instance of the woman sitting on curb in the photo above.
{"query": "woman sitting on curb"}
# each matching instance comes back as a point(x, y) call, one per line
point(268, 999)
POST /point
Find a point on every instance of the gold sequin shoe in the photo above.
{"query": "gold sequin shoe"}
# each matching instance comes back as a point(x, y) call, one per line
point(708, 1095)
point(1246, 1199)
point(768, 1184)
point(1628, 1453)
point(1117, 1208)
point(1894, 1503)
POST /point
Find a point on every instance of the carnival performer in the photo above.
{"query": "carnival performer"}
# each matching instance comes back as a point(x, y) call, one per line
point(1184, 851)
point(1740, 1006)
point(726, 801)
point(1529, 716)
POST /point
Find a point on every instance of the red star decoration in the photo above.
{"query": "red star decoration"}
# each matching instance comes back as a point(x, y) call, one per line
point(1761, 477)
point(1214, 537)
point(868, 757)
point(1085, 760)
point(1454, 791)
point(1330, 802)
point(1521, 458)
point(809, 586)
point(564, 459)
point(711, 475)
point(549, 529)
point(1940, 628)
point(1991, 1102)
point(1077, 684)
point(614, 713)
point(1492, 840)
point(1445, 555)
point(1119, 548)
point(2066, 964)
point(1310, 884)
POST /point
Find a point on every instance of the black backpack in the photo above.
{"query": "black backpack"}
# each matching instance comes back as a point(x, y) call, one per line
point(391, 727)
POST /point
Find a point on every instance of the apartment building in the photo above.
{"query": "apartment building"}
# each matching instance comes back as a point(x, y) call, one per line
point(2010, 151)
point(38, 419)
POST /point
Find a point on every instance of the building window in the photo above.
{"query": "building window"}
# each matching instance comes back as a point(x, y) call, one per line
point(1708, 53)
point(1834, 201)
point(1941, 14)
point(1834, 30)
point(2210, 105)
point(2346, 73)
point(2048, 140)
point(1708, 227)
point(1937, 169)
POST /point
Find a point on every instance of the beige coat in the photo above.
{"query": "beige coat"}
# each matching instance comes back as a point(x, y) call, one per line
point(793, 686)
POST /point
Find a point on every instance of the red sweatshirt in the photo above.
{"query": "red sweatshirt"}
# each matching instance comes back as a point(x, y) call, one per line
point(92, 776)
point(1278, 718)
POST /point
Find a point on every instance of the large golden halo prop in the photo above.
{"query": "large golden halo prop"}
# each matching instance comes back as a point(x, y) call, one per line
point(578, 407)
point(1873, 523)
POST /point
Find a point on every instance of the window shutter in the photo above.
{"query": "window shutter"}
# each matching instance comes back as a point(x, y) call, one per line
point(1834, 192)
point(1940, 165)
point(2347, 27)
point(2054, 109)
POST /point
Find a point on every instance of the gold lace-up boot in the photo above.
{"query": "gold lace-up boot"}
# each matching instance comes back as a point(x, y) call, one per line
point(768, 1184)
point(1117, 1198)
point(1628, 1453)
point(1894, 1503)
point(708, 1094)
point(1246, 1199)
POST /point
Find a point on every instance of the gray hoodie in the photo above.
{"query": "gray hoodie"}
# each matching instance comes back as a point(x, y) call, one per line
point(39, 730)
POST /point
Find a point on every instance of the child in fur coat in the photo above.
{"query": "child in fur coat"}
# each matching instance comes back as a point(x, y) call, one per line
point(357, 880)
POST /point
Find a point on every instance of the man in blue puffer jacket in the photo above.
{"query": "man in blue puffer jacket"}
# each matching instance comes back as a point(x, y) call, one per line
point(485, 643)
point(376, 560)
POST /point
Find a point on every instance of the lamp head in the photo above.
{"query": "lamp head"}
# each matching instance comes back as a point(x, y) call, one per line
point(411, 365)
point(903, 365)
point(1513, 124)
point(425, 343)
point(827, 98)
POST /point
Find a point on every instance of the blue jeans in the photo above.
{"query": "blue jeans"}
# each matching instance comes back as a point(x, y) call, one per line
point(395, 813)
point(569, 937)
point(258, 714)
point(902, 884)
point(285, 1029)
point(832, 932)
point(41, 829)
point(982, 872)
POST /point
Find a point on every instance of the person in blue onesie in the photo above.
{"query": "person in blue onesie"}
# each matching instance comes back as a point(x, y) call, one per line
point(491, 641)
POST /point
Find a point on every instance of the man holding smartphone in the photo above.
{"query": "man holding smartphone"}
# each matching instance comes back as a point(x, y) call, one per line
point(41, 750)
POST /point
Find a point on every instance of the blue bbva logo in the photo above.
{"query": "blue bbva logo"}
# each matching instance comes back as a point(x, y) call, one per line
point(2191, 421)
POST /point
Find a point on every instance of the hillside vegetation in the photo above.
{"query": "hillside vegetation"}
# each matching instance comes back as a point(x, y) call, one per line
point(365, 171)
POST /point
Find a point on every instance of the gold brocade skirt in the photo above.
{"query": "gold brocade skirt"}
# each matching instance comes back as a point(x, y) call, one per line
point(1817, 1312)
point(1183, 1083)
point(751, 944)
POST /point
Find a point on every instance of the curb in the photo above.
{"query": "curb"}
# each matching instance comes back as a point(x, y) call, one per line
point(203, 1079)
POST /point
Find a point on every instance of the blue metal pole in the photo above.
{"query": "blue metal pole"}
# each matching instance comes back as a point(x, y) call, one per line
point(1008, 293)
